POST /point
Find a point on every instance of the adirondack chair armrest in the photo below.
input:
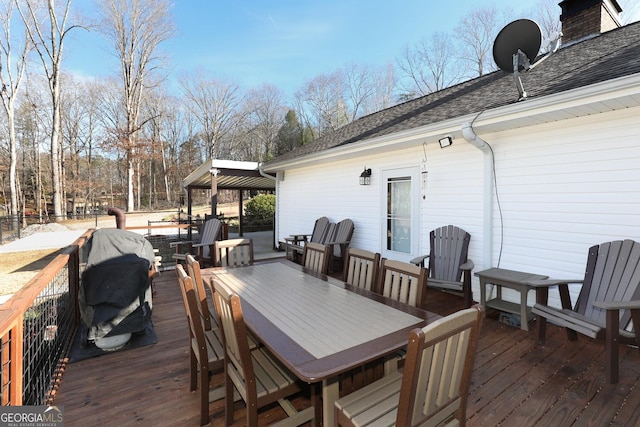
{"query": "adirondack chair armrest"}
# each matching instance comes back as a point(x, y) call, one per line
point(419, 260)
point(181, 242)
point(201, 245)
point(346, 242)
point(618, 305)
point(467, 266)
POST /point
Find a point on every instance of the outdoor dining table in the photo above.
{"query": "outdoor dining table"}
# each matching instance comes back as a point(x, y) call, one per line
point(318, 326)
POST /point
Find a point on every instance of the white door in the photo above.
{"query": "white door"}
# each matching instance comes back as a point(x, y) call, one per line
point(400, 213)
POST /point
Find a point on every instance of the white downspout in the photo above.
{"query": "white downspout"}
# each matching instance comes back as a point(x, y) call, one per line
point(469, 134)
point(274, 241)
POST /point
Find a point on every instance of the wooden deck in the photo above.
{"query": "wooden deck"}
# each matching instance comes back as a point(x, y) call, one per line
point(515, 382)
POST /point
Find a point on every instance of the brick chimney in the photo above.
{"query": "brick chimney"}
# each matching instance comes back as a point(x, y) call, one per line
point(582, 19)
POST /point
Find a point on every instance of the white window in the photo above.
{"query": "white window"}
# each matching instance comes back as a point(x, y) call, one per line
point(400, 213)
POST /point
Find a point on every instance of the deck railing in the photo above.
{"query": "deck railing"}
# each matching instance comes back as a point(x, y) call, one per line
point(38, 323)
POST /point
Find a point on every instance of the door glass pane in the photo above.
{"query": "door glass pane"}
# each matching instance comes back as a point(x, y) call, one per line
point(399, 214)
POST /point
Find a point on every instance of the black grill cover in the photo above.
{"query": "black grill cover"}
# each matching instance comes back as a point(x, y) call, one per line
point(115, 294)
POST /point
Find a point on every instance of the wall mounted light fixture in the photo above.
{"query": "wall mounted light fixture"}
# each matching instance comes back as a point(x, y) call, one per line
point(445, 142)
point(365, 177)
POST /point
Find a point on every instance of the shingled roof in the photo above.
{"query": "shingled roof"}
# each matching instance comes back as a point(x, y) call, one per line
point(608, 56)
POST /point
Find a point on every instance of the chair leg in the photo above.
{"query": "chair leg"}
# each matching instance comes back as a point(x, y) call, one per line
point(565, 300)
point(204, 396)
point(612, 347)
point(228, 399)
point(193, 369)
point(466, 290)
point(542, 297)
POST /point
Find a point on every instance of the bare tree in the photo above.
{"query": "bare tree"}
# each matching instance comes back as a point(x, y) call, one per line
point(359, 87)
point(11, 75)
point(384, 89)
point(547, 15)
point(47, 26)
point(322, 103)
point(476, 32)
point(214, 102)
point(266, 116)
point(431, 65)
point(136, 28)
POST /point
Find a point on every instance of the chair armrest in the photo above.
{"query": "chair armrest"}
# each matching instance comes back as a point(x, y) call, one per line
point(552, 282)
point(467, 266)
point(297, 238)
point(618, 305)
point(419, 260)
point(182, 242)
point(346, 242)
point(200, 245)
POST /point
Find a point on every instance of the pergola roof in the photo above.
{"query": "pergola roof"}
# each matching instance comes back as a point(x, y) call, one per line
point(232, 175)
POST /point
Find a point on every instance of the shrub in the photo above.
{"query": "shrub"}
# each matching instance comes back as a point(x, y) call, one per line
point(261, 207)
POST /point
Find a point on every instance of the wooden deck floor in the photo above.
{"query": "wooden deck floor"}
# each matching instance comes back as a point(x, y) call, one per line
point(515, 382)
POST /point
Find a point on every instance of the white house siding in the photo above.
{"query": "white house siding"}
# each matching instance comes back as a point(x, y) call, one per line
point(562, 187)
point(333, 190)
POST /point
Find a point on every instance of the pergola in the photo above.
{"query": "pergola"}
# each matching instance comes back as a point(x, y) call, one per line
point(226, 175)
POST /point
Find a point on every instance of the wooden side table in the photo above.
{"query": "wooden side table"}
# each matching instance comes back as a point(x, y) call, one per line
point(511, 279)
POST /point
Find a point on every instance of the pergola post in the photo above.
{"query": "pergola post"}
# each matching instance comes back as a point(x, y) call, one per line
point(214, 191)
point(240, 215)
point(189, 211)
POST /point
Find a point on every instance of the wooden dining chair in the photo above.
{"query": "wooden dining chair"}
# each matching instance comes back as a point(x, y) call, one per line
point(406, 283)
point(259, 378)
point(403, 282)
point(206, 356)
point(361, 269)
point(432, 389)
point(233, 252)
point(213, 342)
point(315, 257)
point(193, 270)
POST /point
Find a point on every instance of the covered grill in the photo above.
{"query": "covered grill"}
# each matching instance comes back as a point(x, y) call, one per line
point(115, 294)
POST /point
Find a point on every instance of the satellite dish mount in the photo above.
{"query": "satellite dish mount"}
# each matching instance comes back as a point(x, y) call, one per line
point(520, 60)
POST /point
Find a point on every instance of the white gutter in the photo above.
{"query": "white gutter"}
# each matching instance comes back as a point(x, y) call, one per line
point(487, 216)
point(263, 173)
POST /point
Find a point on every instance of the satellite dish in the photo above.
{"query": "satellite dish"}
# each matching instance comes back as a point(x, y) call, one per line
point(523, 35)
point(515, 48)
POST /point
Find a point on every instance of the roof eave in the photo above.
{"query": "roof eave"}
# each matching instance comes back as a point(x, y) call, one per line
point(619, 93)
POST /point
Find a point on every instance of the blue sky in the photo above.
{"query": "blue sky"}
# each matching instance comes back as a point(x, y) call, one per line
point(287, 43)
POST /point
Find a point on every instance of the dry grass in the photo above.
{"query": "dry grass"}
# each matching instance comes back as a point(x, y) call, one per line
point(17, 268)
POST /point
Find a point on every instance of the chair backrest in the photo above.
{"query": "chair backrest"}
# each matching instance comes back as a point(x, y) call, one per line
point(612, 274)
point(192, 308)
point(449, 249)
point(403, 282)
point(315, 257)
point(231, 319)
point(233, 252)
point(342, 236)
point(438, 368)
point(210, 233)
point(320, 230)
point(361, 269)
point(193, 270)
